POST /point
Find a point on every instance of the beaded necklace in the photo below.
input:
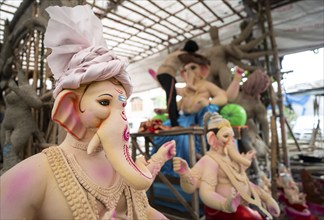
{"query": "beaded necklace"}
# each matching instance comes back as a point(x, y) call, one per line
point(108, 196)
point(83, 146)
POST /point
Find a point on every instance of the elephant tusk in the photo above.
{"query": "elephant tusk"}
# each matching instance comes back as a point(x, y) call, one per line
point(93, 144)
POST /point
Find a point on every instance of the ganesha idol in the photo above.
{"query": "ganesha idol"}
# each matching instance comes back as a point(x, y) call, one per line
point(293, 201)
point(220, 177)
point(90, 175)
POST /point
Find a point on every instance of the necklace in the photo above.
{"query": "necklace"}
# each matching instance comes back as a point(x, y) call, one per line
point(83, 146)
point(108, 196)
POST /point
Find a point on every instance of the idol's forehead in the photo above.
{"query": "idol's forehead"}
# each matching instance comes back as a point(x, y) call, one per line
point(226, 129)
point(106, 87)
point(190, 64)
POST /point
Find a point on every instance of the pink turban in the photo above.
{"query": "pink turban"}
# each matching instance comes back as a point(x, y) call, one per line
point(79, 51)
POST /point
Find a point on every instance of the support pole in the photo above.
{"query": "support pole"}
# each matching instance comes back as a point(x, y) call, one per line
point(274, 161)
point(277, 75)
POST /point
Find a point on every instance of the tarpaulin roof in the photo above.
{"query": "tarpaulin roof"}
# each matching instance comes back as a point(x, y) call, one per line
point(145, 31)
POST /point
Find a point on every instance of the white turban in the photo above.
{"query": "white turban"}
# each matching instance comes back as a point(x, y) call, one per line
point(79, 51)
point(215, 120)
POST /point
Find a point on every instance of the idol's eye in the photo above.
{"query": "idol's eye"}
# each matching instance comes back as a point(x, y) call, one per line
point(104, 102)
point(193, 67)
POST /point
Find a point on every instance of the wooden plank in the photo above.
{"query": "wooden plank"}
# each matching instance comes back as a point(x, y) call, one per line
point(232, 9)
point(277, 76)
point(135, 147)
point(173, 132)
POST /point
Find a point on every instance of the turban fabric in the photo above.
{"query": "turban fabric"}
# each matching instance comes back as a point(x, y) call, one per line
point(79, 51)
point(256, 83)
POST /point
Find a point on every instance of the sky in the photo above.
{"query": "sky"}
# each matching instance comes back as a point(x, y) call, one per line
point(307, 66)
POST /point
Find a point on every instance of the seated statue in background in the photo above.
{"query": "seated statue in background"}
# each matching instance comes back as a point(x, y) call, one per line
point(220, 176)
point(166, 75)
point(289, 186)
point(90, 175)
point(198, 92)
point(293, 200)
point(198, 97)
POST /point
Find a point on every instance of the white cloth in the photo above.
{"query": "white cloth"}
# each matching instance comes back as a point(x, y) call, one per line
point(79, 51)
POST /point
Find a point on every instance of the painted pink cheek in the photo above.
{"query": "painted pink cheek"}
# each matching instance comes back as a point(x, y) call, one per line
point(126, 134)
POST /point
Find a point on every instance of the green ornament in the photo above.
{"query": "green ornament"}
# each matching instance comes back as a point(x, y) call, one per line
point(235, 114)
point(162, 117)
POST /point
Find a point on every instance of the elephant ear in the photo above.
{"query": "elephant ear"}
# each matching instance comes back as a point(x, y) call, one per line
point(65, 113)
point(212, 139)
point(204, 71)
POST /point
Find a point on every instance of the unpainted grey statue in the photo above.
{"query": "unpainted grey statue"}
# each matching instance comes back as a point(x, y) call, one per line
point(249, 99)
point(18, 124)
point(257, 122)
point(221, 55)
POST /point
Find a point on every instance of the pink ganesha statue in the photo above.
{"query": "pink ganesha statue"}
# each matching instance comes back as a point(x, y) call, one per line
point(293, 200)
point(220, 176)
point(90, 175)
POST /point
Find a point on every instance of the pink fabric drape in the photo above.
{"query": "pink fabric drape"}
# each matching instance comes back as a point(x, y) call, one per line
point(79, 51)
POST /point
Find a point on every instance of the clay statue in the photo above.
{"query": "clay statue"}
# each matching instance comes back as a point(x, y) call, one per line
point(249, 98)
point(221, 54)
point(166, 75)
point(293, 200)
point(198, 96)
point(18, 124)
point(194, 98)
point(289, 186)
point(220, 176)
point(264, 182)
point(197, 92)
point(90, 175)
point(313, 188)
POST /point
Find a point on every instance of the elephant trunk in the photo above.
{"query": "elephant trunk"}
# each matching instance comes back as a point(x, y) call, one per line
point(113, 134)
point(236, 156)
